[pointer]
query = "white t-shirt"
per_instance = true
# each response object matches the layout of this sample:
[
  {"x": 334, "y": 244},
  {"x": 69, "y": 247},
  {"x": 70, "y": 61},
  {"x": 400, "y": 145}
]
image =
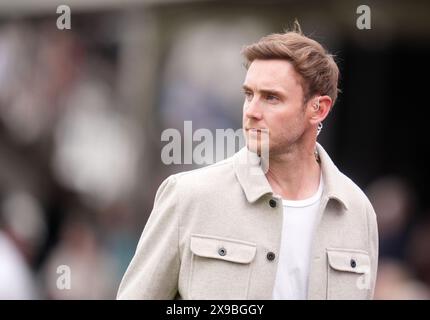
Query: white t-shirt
[{"x": 294, "y": 259}]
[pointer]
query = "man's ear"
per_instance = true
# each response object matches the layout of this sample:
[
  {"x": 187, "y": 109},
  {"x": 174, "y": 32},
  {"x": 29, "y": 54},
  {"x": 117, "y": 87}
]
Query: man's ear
[{"x": 320, "y": 107}]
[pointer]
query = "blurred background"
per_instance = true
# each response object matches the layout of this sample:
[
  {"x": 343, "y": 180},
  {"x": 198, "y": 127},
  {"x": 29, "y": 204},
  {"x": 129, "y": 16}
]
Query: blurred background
[{"x": 82, "y": 112}]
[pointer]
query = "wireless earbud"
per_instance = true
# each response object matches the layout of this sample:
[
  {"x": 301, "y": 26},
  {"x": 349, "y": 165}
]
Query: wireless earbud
[{"x": 317, "y": 104}]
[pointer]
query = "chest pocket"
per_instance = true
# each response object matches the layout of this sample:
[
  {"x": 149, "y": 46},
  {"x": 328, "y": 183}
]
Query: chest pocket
[
  {"x": 348, "y": 274},
  {"x": 220, "y": 267}
]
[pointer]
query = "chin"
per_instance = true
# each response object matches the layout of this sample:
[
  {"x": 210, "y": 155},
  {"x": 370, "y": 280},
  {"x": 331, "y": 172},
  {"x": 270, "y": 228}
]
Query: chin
[{"x": 254, "y": 147}]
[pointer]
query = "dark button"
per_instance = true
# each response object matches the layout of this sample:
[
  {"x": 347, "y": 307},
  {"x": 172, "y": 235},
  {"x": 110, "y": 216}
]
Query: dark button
[
  {"x": 272, "y": 203},
  {"x": 222, "y": 251},
  {"x": 353, "y": 263},
  {"x": 270, "y": 256}
]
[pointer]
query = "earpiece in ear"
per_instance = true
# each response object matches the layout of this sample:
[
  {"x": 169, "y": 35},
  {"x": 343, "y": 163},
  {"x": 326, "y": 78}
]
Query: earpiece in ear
[{"x": 317, "y": 105}]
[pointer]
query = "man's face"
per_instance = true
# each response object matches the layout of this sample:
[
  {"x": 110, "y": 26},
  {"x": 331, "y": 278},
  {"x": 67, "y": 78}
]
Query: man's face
[{"x": 273, "y": 107}]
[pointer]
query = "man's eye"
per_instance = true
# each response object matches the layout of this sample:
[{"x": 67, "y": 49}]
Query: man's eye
[
  {"x": 248, "y": 95},
  {"x": 271, "y": 97}
]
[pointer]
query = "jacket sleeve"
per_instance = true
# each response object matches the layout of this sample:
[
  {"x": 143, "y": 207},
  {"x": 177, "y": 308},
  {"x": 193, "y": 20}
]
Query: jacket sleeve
[
  {"x": 373, "y": 248},
  {"x": 154, "y": 270}
]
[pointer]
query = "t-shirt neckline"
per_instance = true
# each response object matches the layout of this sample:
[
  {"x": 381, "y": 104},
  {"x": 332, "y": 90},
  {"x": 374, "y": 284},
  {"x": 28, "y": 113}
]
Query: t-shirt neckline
[{"x": 305, "y": 202}]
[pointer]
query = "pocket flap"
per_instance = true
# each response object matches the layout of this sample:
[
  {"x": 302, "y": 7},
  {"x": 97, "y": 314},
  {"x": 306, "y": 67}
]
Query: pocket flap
[
  {"x": 223, "y": 248},
  {"x": 350, "y": 260}
]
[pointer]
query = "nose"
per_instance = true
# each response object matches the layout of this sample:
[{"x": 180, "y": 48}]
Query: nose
[{"x": 252, "y": 109}]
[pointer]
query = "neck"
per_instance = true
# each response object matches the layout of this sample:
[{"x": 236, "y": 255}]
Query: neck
[{"x": 295, "y": 174}]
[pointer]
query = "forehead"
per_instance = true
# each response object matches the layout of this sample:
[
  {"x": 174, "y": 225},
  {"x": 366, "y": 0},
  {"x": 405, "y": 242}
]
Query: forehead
[{"x": 272, "y": 73}]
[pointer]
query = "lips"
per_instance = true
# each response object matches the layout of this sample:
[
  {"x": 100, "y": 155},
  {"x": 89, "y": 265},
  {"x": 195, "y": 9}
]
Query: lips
[{"x": 257, "y": 130}]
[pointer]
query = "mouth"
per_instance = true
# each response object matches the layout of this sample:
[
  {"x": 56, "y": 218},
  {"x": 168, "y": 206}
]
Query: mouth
[{"x": 257, "y": 130}]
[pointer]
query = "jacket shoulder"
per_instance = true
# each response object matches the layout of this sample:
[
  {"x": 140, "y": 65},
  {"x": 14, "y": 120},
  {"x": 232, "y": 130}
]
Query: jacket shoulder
[
  {"x": 206, "y": 176},
  {"x": 356, "y": 196}
]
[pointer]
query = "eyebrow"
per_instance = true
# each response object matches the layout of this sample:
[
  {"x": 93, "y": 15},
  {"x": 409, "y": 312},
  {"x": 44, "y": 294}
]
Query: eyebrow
[{"x": 265, "y": 91}]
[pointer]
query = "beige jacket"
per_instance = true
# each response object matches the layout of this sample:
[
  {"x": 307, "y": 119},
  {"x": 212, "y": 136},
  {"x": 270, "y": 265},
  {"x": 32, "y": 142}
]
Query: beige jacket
[{"x": 215, "y": 233}]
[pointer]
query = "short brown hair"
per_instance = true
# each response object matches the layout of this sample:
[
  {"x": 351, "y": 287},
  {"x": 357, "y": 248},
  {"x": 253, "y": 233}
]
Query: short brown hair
[{"x": 316, "y": 66}]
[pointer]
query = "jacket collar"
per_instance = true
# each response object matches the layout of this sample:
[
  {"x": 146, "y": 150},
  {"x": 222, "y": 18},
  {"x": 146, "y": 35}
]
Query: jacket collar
[{"x": 254, "y": 182}]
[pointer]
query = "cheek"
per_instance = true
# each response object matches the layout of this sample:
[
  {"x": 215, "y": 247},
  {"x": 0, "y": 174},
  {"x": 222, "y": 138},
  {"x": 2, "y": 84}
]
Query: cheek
[
  {"x": 282, "y": 124},
  {"x": 244, "y": 108},
  {"x": 277, "y": 121}
]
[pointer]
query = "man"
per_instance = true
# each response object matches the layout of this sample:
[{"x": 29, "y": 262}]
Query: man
[{"x": 281, "y": 224}]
